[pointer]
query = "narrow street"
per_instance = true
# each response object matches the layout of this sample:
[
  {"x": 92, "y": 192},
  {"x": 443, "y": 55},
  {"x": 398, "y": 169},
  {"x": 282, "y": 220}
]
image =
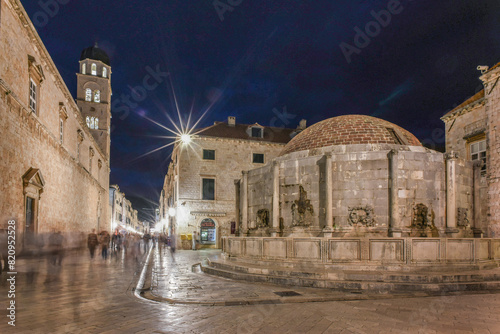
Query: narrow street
[{"x": 96, "y": 296}]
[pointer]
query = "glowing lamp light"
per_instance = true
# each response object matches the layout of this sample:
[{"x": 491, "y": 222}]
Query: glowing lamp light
[
  {"x": 171, "y": 212},
  {"x": 185, "y": 138}
]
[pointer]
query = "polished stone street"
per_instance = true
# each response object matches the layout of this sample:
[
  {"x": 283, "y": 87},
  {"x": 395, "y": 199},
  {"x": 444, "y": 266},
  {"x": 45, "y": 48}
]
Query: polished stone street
[{"x": 84, "y": 296}]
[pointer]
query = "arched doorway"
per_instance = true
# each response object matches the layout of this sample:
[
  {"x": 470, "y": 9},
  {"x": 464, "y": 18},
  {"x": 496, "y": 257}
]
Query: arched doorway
[{"x": 208, "y": 232}]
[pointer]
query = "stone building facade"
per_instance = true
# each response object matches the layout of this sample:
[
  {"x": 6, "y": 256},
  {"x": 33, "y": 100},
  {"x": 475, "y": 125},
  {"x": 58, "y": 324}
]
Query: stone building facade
[
  {"x": 54, "y": 168},
  {"x": 357, "y": 176},
  {"x": 122, "y": 215},
  {"x": 199, "y": 192},
  {"x": 471, "y": 134}
]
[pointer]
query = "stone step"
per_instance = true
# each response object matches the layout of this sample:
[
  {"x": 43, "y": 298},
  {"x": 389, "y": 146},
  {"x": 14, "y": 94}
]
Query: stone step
[
  {"x": 359, "y": 275},
  {"x": 359, "y": 281}
]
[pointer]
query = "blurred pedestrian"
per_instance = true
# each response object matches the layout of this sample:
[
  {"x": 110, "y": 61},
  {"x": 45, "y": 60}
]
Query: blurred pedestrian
[
  {"x": 56, "y": 241},
  {"x": 172, "y": 243},
  {"x": 146, "y": 238},
  {"x": 194, "y": 240},
  {"x": 3, "y": 249},
  {"x": 92, "y": 242},
  {"x": 105, "y": 239}
]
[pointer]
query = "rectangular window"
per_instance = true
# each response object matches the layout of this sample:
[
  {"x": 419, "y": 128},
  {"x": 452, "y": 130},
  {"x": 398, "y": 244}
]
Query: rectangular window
[
  {"x": 258, "y": 158},
  {"x": 33, "y": 96},
  {"x": 395, "y": 136},
  {"x": 208, "y": 154},
  {"x": 61, "y": 130},
  {"x": 208, "y": 189},
  {"x": 30, "y": 214},
  {"x": 257, "y": 132},
  {"x": 478, "y": 152}
]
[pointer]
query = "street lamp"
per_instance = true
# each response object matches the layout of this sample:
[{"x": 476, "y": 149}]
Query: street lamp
[
  {"x": 186, "y": 139},
  {"x": 171, "y": 212}
]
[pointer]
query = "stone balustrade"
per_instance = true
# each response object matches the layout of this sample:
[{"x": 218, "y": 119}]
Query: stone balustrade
[{"x": 366, "y": 251}]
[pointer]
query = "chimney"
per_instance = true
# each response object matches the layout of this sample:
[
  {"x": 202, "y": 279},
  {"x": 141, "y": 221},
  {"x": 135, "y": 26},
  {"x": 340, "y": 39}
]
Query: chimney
[
  {"x": 302, "y": 124},
  {"x": 231, "y": 121}
]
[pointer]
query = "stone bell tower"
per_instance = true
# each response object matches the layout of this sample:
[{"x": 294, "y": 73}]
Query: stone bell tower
[{"x": 94, "y": 94}]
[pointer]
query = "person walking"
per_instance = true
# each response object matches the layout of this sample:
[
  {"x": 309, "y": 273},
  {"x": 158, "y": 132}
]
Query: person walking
[
  {"x": 92, "y": 242},
  {"x": 56, "y": 241},
  {"x": 105, "y": 239},
  {"x": 3, "y": 250},
  {"x": 194, "y": 240}
]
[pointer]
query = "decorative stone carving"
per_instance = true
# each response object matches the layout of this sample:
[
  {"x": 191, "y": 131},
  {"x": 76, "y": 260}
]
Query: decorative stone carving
[
  {"x": 361, "y": 216},
  {"x": 421, "y": 216},
  {"x": 462, "y": 218},
  {"x": 300, "y": 207},
  {"x": 451, "y": 155},
  {"x": 262, "y": 218}
]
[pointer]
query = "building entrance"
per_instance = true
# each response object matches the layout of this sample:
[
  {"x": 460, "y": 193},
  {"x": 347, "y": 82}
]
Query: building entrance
[{"x": 208, "y": 232}]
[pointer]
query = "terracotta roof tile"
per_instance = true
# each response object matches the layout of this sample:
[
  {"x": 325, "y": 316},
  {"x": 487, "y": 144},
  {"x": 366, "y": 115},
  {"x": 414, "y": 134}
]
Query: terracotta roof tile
[{"x": 338, "y": 131}]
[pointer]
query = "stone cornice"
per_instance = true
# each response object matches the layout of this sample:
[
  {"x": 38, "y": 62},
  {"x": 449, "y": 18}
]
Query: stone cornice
[
  {"x": 49, "y": 65},
  {"x": 239, "y": 140},
  {"x": 468, "y": 108}
]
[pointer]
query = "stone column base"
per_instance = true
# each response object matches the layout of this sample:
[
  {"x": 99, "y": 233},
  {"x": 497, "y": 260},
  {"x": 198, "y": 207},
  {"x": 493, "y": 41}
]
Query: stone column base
[
  {"x": 328, "y": 232},
  {"x": 452, "y": 232},
  {"x": 395, "y": 232},
  {"x": 478, "y": 233},
  {"x": 274, "y": 232}
]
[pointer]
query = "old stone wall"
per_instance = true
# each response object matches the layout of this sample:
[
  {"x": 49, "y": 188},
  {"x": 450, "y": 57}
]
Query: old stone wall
[
  {"x": 231, "y": 158},
  {"x": 361, "y": 180},
  {"x": 492, "y": 88},
  {"x": 469, "y": 123},
  {"x": 75, "y": 195},
  {"x": 360, "y": 183},
  {"x": 421, "y": 180},
  {"x": 300, "y": 194},
  {"x": 465, "y": 200},
  {"x": 260, "y": 197}
]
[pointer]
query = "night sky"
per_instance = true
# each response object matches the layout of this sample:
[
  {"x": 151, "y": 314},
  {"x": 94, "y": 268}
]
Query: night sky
[{"x": 271, "y": 62}]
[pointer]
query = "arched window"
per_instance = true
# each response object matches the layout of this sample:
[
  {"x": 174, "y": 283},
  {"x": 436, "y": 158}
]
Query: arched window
[
  {"x": 88, "y": 121},
  {"x": 88, "y": 94},
  {"x": 94, "y": 69},
  {"x": 92, "y": 124},
  {"x": 96, "y": 123},
  {"x": 84, "y": 68},
  {"x": 97, "y": 96},
  {"x": 104, "y": 72}
]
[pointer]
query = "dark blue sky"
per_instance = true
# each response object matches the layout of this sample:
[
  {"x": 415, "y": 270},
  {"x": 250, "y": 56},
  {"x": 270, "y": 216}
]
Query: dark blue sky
[{"x": 269, "y": 56}]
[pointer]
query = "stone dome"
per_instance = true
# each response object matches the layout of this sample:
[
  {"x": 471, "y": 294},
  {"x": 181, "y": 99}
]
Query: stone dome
[
  {"x": 348, "y": 130},
  {"x": 95, "y": 53}
]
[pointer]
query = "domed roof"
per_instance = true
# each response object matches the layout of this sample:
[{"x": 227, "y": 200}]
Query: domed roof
[
  {"x": 350, "y": 129},
  {"x": 93, "y": 52}
]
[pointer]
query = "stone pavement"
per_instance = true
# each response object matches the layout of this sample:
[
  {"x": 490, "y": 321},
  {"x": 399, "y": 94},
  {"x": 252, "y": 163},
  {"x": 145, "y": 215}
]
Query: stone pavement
[
  {"x": 84, "y": 296},
  {"x": 177, "y": 279}
]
